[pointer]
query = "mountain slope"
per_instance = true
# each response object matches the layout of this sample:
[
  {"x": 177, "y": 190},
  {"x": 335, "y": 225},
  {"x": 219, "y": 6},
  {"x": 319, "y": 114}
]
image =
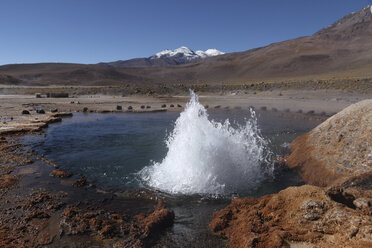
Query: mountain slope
[
  {"x": 345, "y": 46},
  {"x": 342, "y": 50}
]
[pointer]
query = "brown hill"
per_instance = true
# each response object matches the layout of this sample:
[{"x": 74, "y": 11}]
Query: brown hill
[{"x": 342, "y": 50}]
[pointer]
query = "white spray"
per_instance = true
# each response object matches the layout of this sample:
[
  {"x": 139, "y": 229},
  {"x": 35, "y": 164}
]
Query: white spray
[{"x": 209, "y": 157}]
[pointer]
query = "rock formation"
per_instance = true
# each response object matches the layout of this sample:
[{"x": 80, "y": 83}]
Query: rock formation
[
  {"x": 338, "y": 148},
  {"x": 306, "y": 215}
]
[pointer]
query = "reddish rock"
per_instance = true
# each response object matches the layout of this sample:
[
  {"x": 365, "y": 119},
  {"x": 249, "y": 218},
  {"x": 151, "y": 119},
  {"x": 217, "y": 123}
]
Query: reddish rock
[
  {"x": 29, "y": 161},
  {"x": 159, "y": 219},
  {"x": 95, "y": 223},
  {"x": 82, "y": 181},
  {"x": 40, "y": 198},
  {"x": 107, "y": 231},
  {"x": 293, "y": 216},
  {"x": 337, "y": 149},
  {"x": 7, "y": 238},
  {"x": 37, "y": 214},
  {"x": 60, "y": 173},
  {"x": 7, "y": 180}
]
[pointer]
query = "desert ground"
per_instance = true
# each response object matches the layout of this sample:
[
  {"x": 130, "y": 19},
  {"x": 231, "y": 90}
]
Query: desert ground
[{"x": 312, "y": 102}]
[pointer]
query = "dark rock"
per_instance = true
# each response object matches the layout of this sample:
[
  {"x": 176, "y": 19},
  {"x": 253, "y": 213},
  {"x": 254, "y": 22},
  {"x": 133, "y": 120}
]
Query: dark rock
[
  {"x": 172, "y": 106},
  {"x": 130, "y": 107},
  {"x": 40, "y": 111},
  {"x": 179, "y": 105},
  {"x": 57, "y": 95},
  {"x": 148, "y": 106},
  {"x": 311, "y": 112},
  {"x": 163, "y": 105},
  {"x": 85, "y": 109},
  {"x": 118, "y": 107},
  {"x": 337, "y": 194},
  {"x": 54, "y": 110},
  {"x": 63, "y": 114},
  {"x": 25, "y": 112},
  {"x": 143, "y": 106}
]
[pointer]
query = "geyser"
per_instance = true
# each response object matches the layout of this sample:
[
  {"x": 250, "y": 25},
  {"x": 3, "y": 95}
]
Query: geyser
[{"x": 208, "y": 157}]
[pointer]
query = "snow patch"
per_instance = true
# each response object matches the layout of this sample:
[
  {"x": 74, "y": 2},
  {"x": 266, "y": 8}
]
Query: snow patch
[{"x": 213, "y": 52}]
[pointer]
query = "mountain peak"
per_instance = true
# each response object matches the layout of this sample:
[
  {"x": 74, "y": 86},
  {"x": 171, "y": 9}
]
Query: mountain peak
[
  {"x": 352, "y": 25},
  {"x": 186, "y": 53},
  {"x": 213, "y": 52},
  {"x": 368, "y": 7}
]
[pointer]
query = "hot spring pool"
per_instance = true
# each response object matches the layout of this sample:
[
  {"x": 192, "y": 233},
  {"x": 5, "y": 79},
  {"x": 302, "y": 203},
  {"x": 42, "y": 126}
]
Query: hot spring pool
[{"x": 196, "y": 160}]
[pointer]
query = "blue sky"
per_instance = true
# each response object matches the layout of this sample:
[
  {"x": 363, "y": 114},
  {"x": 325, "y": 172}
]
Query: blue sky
[{"x": 91, "y": 31}]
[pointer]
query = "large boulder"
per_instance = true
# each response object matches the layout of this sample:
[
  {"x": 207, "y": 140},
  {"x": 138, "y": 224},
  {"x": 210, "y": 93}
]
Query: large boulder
[{"x": 337, "y": 149}]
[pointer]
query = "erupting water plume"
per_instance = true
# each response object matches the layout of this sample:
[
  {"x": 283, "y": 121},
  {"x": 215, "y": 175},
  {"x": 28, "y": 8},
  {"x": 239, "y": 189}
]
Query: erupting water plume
[{"x": 206, "y": 156}]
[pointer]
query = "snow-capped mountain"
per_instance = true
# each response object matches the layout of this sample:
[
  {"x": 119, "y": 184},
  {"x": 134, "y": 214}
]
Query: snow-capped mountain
[
  {"x": 184, "y": 51},
  {"x": 187, "y": 53},
  {"x": 179, "y": 56}
]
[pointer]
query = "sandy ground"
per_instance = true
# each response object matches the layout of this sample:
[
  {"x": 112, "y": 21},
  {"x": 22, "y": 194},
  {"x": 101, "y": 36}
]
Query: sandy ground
[{"x": 321, "y": 102}]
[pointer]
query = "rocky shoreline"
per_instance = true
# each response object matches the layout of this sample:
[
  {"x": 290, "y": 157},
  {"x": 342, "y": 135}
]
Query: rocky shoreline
[
  {"x": 41, "y": 205},
  {"x": 335, "y": 211}
]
